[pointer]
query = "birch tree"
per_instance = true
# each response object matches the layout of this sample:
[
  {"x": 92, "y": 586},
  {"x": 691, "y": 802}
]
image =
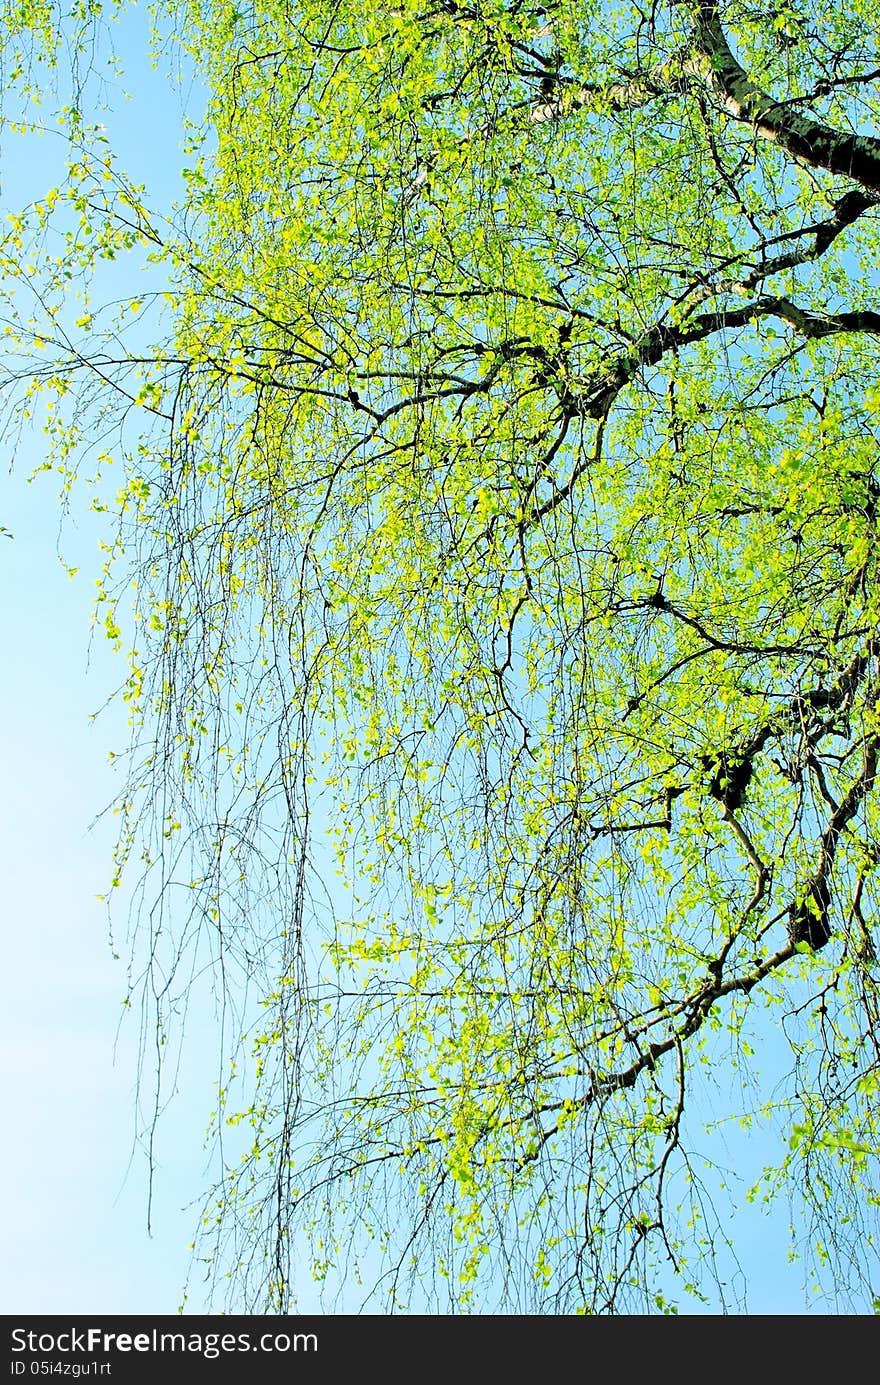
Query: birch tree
[{"x": 501, "y": 498}]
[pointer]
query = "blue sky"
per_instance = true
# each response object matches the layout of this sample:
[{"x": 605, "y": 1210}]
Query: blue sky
[{"x": 74, "y": 1235}]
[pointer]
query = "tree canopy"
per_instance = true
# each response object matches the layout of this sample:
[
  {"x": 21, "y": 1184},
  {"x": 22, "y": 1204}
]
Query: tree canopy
[{"x": 496, "y": 566}]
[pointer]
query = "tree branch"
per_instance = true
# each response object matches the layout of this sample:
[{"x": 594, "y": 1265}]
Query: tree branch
[{"x": 805, "y": 139}]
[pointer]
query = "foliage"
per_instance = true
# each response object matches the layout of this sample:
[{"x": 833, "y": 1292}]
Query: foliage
[{"x": 504, "y": 681}]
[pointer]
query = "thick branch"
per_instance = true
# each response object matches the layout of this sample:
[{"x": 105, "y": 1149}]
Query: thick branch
[
  {"x": 808, "y": 915},
  {"x": 711, "y": 65},
  {"x": 805, "y": 139}
]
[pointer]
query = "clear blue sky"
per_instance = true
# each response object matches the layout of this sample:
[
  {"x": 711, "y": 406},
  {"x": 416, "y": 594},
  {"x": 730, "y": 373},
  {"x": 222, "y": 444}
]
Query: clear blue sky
[
  {"x": 74, "y": 1236},
  {"x": 73, "y": 1229}
]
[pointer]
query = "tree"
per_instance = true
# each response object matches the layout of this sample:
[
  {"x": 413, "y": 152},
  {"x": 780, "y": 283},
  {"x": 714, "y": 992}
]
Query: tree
[{"x": 503, "y": 526}]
